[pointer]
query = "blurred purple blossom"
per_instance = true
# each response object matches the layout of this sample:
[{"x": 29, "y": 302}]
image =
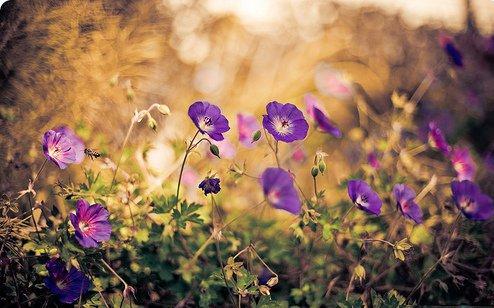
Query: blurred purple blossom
[
  {"x": 451, "y": 50},
  {"x": 463, "y": 164},
  {"x": 321, "y": 119},
  {"x": 437, "y": 140},
  {"x": 471, "y": 201},
  {"x": 277, "y": 185},
  {"x": 210, "y": 185},
  {"x": 247, "y": 126},
  {"x": 404, "y": 197},
  {"x": 63, "y": 147},
  {"x": 373, "y": 161}
]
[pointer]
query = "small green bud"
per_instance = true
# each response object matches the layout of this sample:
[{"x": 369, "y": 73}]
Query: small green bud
[
  {"x": 314, "y": 171},
  {"x": 256, "y": 136},
  {"x": 163, "y": 109},
  {"x": 152, "y": 123},
  {"x": 322, "y": 166},
  {"x": 213, "y": 148}
]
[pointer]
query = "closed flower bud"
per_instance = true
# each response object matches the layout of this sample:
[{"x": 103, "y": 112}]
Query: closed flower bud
[
  {"x": 264, "y": 290},
  {"x": 322, "y": 166},
  {"x": 152, "y": 123},
  {"x": 163, "y": 109},
  {"x": 359, "y": 272},
  {"x": 213, "y": 148},
  {"x": 272, "y": 281},
  {"x": 314, "y": 171},
  {"x": 256, "y": 136}
]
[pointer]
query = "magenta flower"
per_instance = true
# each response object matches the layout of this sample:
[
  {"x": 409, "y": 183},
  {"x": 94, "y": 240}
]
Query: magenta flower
[
  {"x": 471, "y": 201},
  {"x": 322, "y": 121},
  {"x": 451, "y": 50},
  {"x": 463, "y": 164},
  {"x": 66, "y": 285},
  {"x": 247, "y": 126},
  {"x": 277, "y": 185},
  {"x": 209, "y": 120},
  {"x": 299, "y": 155},
  {"x": 332, "y": 82},
  {"x": 373, "y": 161},
  {"x": 364, "y": 197},
  {"x": 404, "y": 196},
  {"x": 90, "y": 223},
  {"x": 437, "y": 140},
  {"x": 285, "y": 122},
  {"x": 63, "y": 147}
]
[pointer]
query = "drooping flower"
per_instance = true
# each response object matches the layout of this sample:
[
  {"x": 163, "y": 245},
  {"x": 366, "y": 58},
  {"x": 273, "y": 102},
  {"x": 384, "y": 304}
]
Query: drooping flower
[
  {"x": 471, "y": 201},
  {"x": 247, "y": 126},
  {"x": 463, "y": 164},
  {"x": 285, "y": 122},
  {"x": 277, "y": 185},
  {"x": 210, "y": 185},
  {"x": 373, "y": 161},
  {"x": 66, "y": 285},
  {"x": 404, "y": 197},
  {"x": 364, "y": 197},
  {"x": 437, "y": 140},
  {"x": 321, "y": 119},
  {"x": 209, "y": 120},
  {"x": 90, "y": 223},
  {"x": 451, "y": 50},
  {"x": 63, "y": 147}
]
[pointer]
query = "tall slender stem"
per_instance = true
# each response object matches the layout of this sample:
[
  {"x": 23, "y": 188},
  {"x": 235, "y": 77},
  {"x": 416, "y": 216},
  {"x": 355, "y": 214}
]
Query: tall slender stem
[
  {"x": 276, "y": 154},
  {"x": 29, "y": 197},
  {"x": 187, "y": 151},
  {"x": 121, "y": 152}
]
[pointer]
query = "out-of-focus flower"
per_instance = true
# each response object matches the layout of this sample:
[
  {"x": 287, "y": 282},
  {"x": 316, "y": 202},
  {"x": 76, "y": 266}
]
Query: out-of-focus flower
[
  {"x": 63, "y": 147},
  {"x": 277, "y": 185},
  {"x": 404, "y": 196},
  {"x": 299, "y": 155},
  {"x": 471, "y": 201},
  {"x": 210, "y": 185},
  {"x": 66, "y": 285},
  {"x": 364, "y": 197},
  {"x": 332, "y": 82},
  {"x": 247, "y": 126},
  {"x": 373, "y": 161},
  {"x": 189, "y": 177},
  {"x": 285, "y": 122},
  {"x": 463, "y": 164},
  {"x": 451, "y": 50},
  {"x": 321, "y": 119},
  {"x": 90, "y": 223},
  {"x": 226, "y": 149},
  {"x": 437, "y": 140},
  {"x": 209, "y": 120}
]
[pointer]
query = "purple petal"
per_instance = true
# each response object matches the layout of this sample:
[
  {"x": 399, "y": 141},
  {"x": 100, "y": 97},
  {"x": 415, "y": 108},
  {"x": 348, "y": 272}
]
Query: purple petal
[
  {"x": 279, "y": 190},
  {"x": 285, "y": 122},
  {"x": 364, "y": 197},
  {"x": 325, "y": 124},
  {"x": 463, "y": 164},
  {"x": 402, "y": 192}
]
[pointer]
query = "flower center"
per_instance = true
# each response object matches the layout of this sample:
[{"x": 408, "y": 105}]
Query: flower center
[
  {"x": 282, "y": 126},
  {"x": 362, "y": 201},
  {"x": 84, "y": 226},
  {"x": 274, "y": 196},
  {"x": 61, "y": 284},
  {"x": 466, "y": 204},
  {"x": 206, "y": 124}
]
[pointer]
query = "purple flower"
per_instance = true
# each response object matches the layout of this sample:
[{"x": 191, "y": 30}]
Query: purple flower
[
  {"x": 247, "y": 126},
  {"x": 471, "y": 201},
  {"x": 463, "y": 164},
  {"x": 210, "y": 185},
  {"x": 373, "y": 161},
  {"x": 90, "y": 223},
  {"x": 67, "y": 285},
  {"x": 285, "y": 122},
  {"x": 277, "y": 185},
  {"x": 404, "y": 196},
  {"x": 321, "y": 119},
  {"x": 453, "y": 53},
  {"x": 437, "y": 140},
  {"x": 63, "y": 147},
  {"x": 299, "y": 155},
  {"x": 209, "y": 120},
  {"x": 364, "y": 197}
]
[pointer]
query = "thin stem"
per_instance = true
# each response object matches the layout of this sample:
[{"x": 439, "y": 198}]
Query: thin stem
[
  {"x": 276, "y": 154},
  {"x": 121, "y": 152},
  {"x": 114, "y": 273},
  {"x": 452, "y": 230},
  {"x": 315, "y": 187},
  {"x": 187, "y": 151},
  {"x": 378, "y": 240},
  {"x": 220, "y": 260},
  {"x": 347, "y": 213},
  {"x": 39, "y": 172},
  {"x": 32, "y": 216}
]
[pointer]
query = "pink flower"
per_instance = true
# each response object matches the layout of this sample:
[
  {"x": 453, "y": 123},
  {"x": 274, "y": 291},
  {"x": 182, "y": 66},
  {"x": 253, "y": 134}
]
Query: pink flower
[
  {"x": 247, "y": 126},
  {"x": 463, "y": 164}
]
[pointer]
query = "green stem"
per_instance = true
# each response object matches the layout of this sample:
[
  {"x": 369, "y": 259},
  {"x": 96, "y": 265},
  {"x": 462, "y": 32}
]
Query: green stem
[
  {"x": 187, "y": 151},
  {"x": 121, "y": 152}
]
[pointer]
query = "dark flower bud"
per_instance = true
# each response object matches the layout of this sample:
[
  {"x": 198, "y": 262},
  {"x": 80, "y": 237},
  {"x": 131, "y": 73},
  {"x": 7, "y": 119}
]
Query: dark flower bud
[{"x": 210, "y": 185}]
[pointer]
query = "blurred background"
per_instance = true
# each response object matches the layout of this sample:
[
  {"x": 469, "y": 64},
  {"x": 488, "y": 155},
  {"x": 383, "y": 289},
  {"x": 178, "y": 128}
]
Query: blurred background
[{"x": 90, "y": 64}]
